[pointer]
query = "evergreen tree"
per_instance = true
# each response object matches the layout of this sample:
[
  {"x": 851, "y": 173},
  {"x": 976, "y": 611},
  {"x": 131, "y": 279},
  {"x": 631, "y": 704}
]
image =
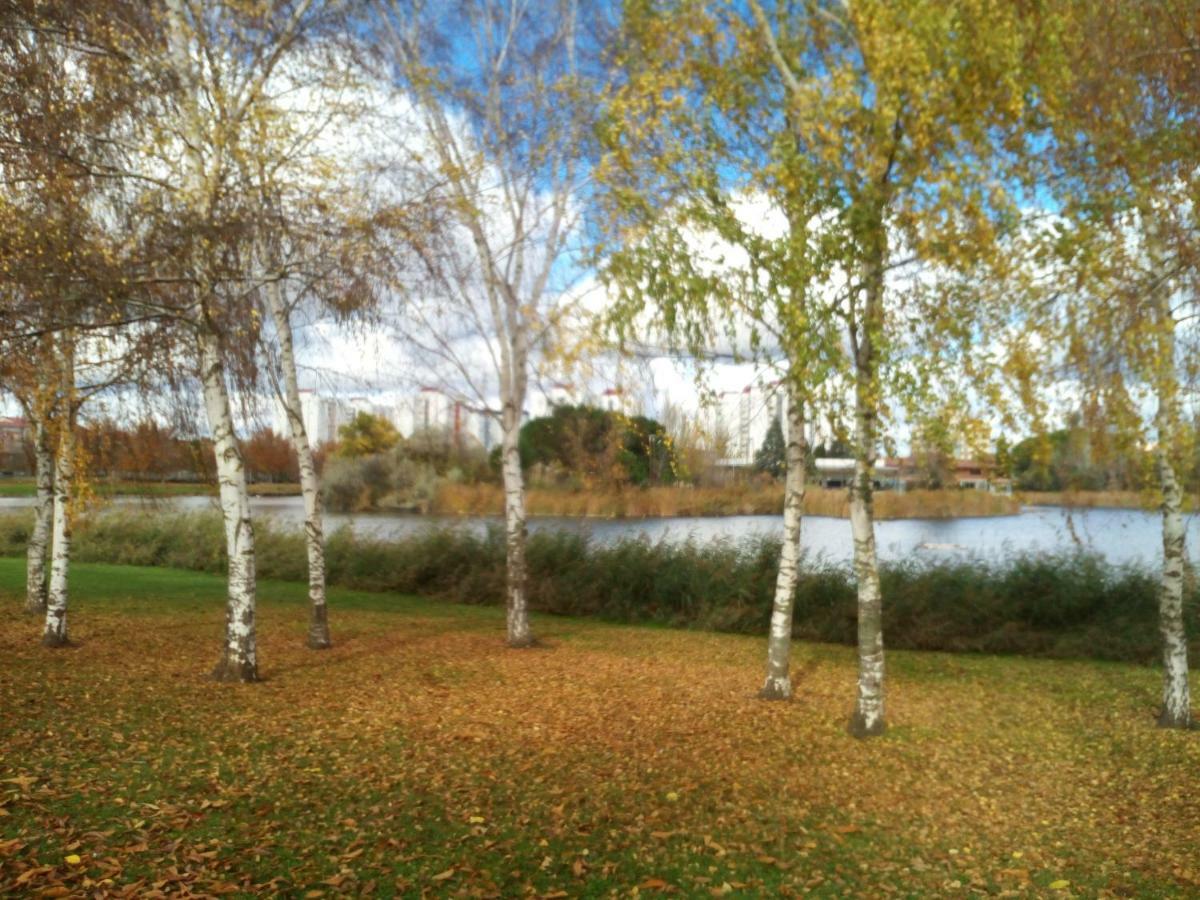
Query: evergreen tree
[{"x": 772, "y": 455}]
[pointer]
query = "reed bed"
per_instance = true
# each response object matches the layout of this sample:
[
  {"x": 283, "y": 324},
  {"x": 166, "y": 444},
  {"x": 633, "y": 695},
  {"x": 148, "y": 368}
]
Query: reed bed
[
  {"x": 736, "y": 500},
  {"x": 1072, "y": 605}
]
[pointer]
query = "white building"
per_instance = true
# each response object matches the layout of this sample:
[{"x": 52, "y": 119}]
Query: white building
[
  {"x": 432, "y": 409},
  {"x": 322, "y": 417},
  {"x": 744, "y": 417}
]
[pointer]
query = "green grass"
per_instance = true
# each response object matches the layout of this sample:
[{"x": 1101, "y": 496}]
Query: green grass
[{"x": 420, "y": 755}]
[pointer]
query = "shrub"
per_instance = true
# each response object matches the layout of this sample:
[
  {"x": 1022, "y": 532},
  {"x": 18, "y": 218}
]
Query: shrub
[{"x": 1041, "y": 605}]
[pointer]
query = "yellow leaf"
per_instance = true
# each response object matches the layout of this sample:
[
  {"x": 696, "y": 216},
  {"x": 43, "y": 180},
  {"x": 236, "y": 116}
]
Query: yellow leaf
[
  {"x": 1060, "y": 884},
  {"x": 73, "y": 859}
]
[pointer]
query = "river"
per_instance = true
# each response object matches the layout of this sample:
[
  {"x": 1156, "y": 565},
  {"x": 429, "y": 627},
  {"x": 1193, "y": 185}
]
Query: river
[{"x": 1120, "y": 535}]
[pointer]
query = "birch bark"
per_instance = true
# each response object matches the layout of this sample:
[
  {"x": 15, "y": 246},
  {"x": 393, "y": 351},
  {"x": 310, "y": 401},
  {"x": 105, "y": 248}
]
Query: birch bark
[
  {"x": 519, "y": 633},
  {"x": 1176, "y": 704},
  {"x": 778, "y": 685},
  {"x": 36, "y": 587},
  {"x": 310, "y": 488},
  {"x": 55, "y": 632},
  {"x": 868, "y": 716},
  {"x": 239, "y": 659}
]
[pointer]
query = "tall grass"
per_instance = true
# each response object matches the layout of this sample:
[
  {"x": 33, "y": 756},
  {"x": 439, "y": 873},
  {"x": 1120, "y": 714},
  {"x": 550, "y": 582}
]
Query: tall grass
[
  {"x": 734, "y": 500},
  {"x": 1148, "y": 500},
  {"x": 1063, "y": 606}
]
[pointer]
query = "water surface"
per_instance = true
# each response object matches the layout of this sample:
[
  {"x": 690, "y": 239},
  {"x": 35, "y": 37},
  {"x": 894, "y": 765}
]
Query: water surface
[{"x": 1120, "y": 535}]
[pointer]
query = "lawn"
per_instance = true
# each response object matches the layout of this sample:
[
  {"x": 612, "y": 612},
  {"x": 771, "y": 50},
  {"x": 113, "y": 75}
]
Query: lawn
[{"x": 419, "y": 756}]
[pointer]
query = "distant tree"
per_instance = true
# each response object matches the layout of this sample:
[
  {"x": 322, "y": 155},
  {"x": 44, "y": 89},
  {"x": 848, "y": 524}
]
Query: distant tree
[
  {"x": 647, "y": 454},
  {"x": 771, "y": 457},
  {"x": 270, "y": 457},
  {"x": 600, "y": 446},
  {"x": 366, "y": 434},
  {"x": 1003, "y": 457}
]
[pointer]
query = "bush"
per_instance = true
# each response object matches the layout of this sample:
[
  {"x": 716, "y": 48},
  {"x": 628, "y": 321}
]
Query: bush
[
  {"x": 1040, "y": 605},
  {"x": 391, "y": 480}
]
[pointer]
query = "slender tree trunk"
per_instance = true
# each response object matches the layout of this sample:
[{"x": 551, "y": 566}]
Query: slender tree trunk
[
  {"x": 55, "y": 633},
  {"x": 239, "y": 658},
  {"x": 1176, "y": 705},
  {"x": 310, "y": 488},
  {"x": 868, "y": 717},
  {"x": 778, "y": 685},
  {"x": 868, "y": 712},
  {"x": 36, "y": 587},
  {"x": 519, "y": 633}
]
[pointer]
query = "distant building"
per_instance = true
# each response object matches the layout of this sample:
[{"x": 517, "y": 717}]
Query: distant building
[
  {"x": 838, "y": 472},
  {"x": 433, "y": 409},
  {"x": 744, "y": 417},
  {"x": 322, "y": 417},
  {"x": 15, "y": 437},
  {"x": 903, "y": 473}
]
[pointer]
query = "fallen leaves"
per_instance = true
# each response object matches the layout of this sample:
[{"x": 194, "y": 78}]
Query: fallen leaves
[{"x": 621, "y": 759}]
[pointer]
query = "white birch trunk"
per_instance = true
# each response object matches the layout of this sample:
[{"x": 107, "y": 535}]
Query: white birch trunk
[
  {"x": 36, "y": 587},
  {"x": 1176, "y": 705},
  {"x": 55, "y": 632},
  {"x": 868, "y": 717},
  {"x": 239, "y": 659},
  {"x": 519, "y": 633},
  {"x": 778, "y": 684},
  {"x": 310, "y": 488},
  {"x": 868, "y": 712}
]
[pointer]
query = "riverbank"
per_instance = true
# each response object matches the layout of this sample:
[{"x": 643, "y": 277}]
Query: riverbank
[
  {"x": 24, "y": 487},
  {"x": 670, "y": 502},
  {"x": 735, "y": 500},
  {"x": 1144, "y": 500},
  {"x": 1068, "y": 605},
  {"x": 420, "y": 757}
]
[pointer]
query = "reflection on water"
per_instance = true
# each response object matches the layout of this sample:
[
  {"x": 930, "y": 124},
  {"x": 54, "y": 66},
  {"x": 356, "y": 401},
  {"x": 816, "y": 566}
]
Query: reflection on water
[{"x": 1120, "y": 535}]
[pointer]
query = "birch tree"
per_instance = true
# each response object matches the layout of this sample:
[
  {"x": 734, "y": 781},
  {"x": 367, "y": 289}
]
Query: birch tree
[
  {"x": 316, "y": 244},
  {"x": 500, "y": 116},
  {"x": 1123, "y": 113},
  {"x": 216, "y": 60},
  {"x": 715, "y": 232},
  {"x": 23, "y": 375},
  {"x": 882, "y": 117},
  {"x": 65, "y": 266},
  {"x": 328, "y": 274}
]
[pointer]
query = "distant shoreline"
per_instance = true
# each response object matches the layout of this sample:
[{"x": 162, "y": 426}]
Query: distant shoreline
[{"x": 666, "y": 502}]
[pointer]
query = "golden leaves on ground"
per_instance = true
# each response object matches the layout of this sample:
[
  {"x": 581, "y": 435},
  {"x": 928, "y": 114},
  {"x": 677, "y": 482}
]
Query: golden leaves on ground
[{"x": 420, "y": 756}]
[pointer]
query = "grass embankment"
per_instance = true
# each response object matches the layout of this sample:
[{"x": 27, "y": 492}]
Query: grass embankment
[
  {"x": 1146, "y": 500},
  {"x": 735, "y": 500},
  {"x": 420, "y": 757},
  {"x": 23, "y": 487},
  {"x": 1060, "y": 606}
]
